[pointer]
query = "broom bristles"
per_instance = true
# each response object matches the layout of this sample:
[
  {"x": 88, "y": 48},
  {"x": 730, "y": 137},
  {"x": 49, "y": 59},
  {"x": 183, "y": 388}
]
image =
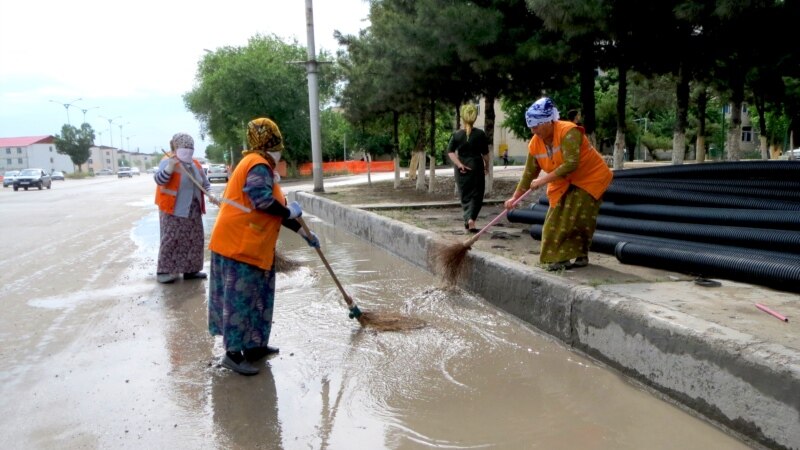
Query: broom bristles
[
  {"x": 385, "y": 321},
  {"x": 450, "y": 261}
]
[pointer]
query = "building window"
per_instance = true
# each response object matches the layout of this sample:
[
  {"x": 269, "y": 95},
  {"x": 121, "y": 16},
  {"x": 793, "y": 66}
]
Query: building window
[
  {"x": 747, "y": 134},
  {"x": 108, "y": 161},
  {"x": 8, "y": 151},
  {"x": 51, "y": 149},
  {"x": 90, "y": 160},
  {"x": 19, "y": 160},
  {"x": 108, "y": 153},
  {"x": 8, "y": 161},
  {"x": 51, "y": 160},
  {"x": 744, "y": 108},
  {"x": 19, "y": 150},
  {"x": 726, "y": 109}
]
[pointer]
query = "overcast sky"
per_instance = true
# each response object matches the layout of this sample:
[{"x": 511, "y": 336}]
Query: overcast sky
[{"x": 133, "y": 61}]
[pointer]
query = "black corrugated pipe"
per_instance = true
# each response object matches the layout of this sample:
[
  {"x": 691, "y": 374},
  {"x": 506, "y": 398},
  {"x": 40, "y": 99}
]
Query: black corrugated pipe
[
  {"x": 719, "y": 188},
  {"x": 769, "y": 170},
  {"x": 620, "y": 193},
  {"x": 758, "y": 218},
  {"x": 606, "y": 241},
  {"x": 782, "y": 185},
  {"x": 761, "y": 218},
  {"x": 758, "y": 238},
  {"x": 708, "y": 264}
]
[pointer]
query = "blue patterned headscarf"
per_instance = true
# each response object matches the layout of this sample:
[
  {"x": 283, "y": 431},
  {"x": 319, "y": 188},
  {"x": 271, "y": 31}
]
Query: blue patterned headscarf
[{"x": 541, "y": 111}]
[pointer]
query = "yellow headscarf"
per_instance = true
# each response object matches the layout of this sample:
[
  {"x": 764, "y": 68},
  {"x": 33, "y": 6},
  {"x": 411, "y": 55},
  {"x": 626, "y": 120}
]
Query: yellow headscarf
[{"x": 263, "y": 135}]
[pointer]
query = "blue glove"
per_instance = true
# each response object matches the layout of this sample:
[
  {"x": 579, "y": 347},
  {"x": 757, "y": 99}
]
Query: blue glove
[
  {"x": 313, "y": 240},
  {"x": 294, "y": 210}
]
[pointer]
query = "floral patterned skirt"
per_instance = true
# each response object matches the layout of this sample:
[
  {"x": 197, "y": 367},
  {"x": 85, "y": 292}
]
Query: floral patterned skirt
[
  {"x": 240, "y": 301},
  {"x": 569, "y": 226},
  {"x": 182, "y": 242}
]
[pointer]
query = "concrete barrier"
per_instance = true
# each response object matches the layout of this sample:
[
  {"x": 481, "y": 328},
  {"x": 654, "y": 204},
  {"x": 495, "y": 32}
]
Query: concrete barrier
[{"x": 751, "y": 387}]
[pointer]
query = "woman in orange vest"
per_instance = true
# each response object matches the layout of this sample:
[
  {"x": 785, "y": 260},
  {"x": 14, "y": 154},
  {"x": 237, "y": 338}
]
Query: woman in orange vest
[
  {"x": 181, "y": 205},
  {"x": 242, "y": 284},
  {"x": 576, "y": 177}
]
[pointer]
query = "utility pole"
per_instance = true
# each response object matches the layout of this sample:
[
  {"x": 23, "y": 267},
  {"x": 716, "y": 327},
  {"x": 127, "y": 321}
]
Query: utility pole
[{"x": 313, "y": 100}]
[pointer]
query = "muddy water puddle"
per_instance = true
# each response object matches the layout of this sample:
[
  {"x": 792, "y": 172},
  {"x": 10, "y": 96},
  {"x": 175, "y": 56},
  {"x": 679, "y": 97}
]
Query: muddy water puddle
[{"x": 474, "y": 377}]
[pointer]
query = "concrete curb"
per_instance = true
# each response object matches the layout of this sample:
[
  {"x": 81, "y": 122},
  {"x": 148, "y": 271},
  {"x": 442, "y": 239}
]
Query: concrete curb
[{"x": 727, "y": 376}]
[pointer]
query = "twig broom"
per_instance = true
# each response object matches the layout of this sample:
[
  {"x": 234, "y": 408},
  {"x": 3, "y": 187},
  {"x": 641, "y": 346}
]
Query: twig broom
[
  {"x": 382, "y": 321},
  {"x": 450, "y": 258}
]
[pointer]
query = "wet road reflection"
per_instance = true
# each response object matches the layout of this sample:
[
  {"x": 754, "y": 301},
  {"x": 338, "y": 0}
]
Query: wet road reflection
[{"x": 475, "y": 377}]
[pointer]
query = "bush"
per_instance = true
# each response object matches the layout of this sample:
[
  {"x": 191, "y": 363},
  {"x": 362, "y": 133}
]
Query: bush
[{"x": 76, "y": 175}]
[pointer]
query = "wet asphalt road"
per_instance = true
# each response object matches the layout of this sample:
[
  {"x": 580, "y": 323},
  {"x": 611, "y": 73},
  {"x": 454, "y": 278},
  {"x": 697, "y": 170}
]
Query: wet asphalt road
[{"x": 98, "y": 355}]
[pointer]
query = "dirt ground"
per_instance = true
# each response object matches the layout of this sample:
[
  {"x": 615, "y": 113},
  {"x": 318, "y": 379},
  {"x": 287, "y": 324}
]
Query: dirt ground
[{"x": 439, "y": 211}]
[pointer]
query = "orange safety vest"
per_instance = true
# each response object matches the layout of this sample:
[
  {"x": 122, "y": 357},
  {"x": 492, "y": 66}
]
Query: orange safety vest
[
  {"x": 592, "y": 174},
  {"x": 167, "y": 195},
  {"x": 246, "y": 237}
]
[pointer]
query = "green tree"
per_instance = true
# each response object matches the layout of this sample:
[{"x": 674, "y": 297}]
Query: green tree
[
  {"x": 75, "y": 143},
  {"x": 238, "y": 84}
]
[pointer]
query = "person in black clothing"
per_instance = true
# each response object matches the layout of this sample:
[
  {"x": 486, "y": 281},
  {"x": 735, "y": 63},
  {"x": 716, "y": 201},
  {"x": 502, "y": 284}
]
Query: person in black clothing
[{"x": 468, "y": 149}]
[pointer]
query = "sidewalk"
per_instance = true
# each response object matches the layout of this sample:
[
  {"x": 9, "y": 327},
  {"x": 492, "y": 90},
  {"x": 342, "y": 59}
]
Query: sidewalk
[{"x": 708, "y": 348}]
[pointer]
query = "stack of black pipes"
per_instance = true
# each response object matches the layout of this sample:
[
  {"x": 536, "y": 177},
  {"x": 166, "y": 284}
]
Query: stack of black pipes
[{"x": 734, "y": 220}]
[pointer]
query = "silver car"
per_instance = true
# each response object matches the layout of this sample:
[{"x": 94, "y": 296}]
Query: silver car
[{"x": 8, "y": 177}]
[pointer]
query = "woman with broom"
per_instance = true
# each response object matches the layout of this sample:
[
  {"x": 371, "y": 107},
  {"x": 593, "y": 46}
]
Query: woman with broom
[
  {"x": 181, "y": 205},
  {"x": 242, "y": 283},
  {"x": 576, "y": 178},
  {"x": 468, "y": 149}
]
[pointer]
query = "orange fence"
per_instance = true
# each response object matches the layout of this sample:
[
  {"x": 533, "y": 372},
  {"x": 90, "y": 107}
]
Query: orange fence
[{"x": 347, "y": 167}]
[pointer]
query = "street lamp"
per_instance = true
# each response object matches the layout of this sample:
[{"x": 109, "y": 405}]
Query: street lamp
[
  {"x": 66, "y": 106},
  {"x": 128, "y": 140},
  {"x": 84, "y": 111},
  {"x": 120, "y": 132},
  {"x": 111, "y": 130},
  {"x": 639, "y": 140}
]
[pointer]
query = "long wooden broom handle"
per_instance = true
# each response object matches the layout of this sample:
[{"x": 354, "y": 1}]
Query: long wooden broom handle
[
  {"x": 473, "y": 239},
  {"x": 347, "y": 298},
  {"x": 204, "y": 191}
]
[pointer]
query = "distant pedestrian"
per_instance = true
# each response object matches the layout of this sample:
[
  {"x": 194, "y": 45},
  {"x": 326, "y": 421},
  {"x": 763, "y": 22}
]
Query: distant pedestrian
[
  {"x": 505, "y": 158},
  {"x": 574, "y": 116},
  {"x": 181, "y": 205},
  {"x": 468, "y": 149}
]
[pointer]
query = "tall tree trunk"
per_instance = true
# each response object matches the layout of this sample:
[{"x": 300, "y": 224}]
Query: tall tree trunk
[
  {"x": 681, "y": 113},
  {"x": 700, "y": 144},
  {"x": 421, "y": 150},
  {"x": 396, "y": 147},
  {"x": 587, "y": 78},
  {"x": 762, "y": 124},
  {"x": 619, "y": 144},
  {"x": 433, "y": 144},
  {"x": 488, "y": 125}
]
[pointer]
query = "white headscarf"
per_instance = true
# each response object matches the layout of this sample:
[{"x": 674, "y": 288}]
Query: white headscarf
[{"x": 541, "y": 111}]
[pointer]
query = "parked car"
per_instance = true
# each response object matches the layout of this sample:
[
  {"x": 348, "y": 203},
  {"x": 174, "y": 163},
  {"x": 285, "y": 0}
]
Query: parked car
[
  {"x": 104, "y": 172},
  {"x": 32, "y": 178},
  {"x": 217, "y": 172},
  {"x": 152, "y": 170},
  {"x": 124, "y": 172},
  {"x": 57, "y": 175},
  {"x": 8, "y": 177},
  {"x": 135, "y": 171}
]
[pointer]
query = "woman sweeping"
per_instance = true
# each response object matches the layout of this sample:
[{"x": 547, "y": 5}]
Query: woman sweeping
[
  {"x": 242, "y": 283},
  {"x": 576, "y": 178},
  {"x": 181, "y": 205},
  {"x": 468, "y": 149}
]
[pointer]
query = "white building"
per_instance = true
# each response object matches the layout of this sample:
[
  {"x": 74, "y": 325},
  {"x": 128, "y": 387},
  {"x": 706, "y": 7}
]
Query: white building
[{"x": 33, "y": 152}]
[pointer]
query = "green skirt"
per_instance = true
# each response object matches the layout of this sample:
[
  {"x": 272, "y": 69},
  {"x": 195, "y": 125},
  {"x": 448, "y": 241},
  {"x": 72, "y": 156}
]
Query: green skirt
[{"x": 569, "y": 226}]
